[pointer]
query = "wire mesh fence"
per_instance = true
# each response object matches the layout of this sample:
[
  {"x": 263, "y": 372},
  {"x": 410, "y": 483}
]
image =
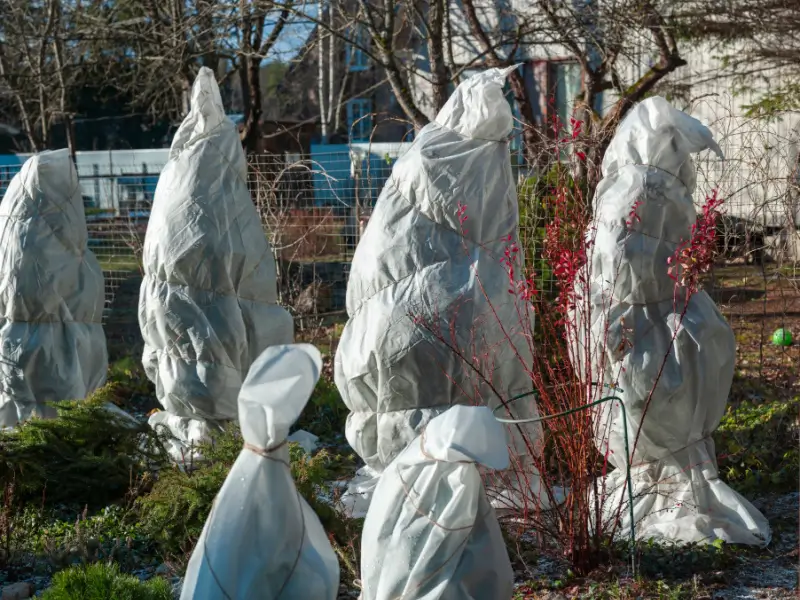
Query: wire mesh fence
[{"x": 315, "y": 207}]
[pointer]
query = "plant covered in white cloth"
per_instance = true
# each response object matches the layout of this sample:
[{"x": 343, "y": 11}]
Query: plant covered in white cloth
[
  {"x": 665, "y": 347},
  {"x": 52, "y": 344},
  {"x": 208, "y": 304},
  {"x": 262, "y": 539},
  {"x": 431, "y": 532},
  {"x": 431, "y": 320}
]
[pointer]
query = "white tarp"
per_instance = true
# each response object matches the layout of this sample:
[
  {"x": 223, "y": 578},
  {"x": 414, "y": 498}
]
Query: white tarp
[
  {"x": 52, "y": 345},
  {"x": 678, "y": 495},
  {"x": 262, "y": 539},
  {"x": 208, "y": 303},
  {"x": 431, "y": 533},
  {"x": 414, "y": 260}
]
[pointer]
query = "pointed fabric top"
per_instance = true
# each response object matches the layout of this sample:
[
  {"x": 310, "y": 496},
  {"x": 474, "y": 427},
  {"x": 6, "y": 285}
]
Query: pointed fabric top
[
  {"x": 478, "y": 108},
  {"x": 276, "y": 390},
  {"x": 206, "y": 112},
  {"x": 657, "y": 134}
]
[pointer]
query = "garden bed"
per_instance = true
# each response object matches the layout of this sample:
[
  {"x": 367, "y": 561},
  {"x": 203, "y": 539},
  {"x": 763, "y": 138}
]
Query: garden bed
[{"x": 148, "y": 529}]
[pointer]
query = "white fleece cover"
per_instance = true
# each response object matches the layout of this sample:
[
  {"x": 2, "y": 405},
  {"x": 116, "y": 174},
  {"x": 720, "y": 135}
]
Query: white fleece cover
[
  {"x": 678, "y": 495},
  {"x": 52, "y": 345},
  {"x": 208, "y": 304},
  {"x": 414, "y": 260},
  {"x": 431, "y": 533},
  {"x": 262, "y": 539}
]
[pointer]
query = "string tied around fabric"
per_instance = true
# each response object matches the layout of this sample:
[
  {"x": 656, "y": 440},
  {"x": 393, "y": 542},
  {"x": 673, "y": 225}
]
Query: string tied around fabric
[{"x": 263, "y": 453}]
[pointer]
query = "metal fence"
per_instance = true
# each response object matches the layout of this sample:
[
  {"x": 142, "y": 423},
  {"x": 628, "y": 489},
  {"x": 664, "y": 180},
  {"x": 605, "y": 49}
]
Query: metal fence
[{"x": 315, "y": 207}]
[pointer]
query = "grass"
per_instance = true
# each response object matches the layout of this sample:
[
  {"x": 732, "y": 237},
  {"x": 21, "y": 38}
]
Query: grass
[
  {"x": 619, "y": 589},
  {"x": 117, "y": 263}
]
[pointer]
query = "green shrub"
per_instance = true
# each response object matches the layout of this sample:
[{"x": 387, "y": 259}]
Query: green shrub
[
  {"x": 325, "y": 414},
  {"x": 175, "y": 510},
  {"x": 537, "y": 198},
  {"x": 100, "y": 581},
  {"x": 311, "y": 474},
  {"x": 129, "y": 376},
  {"x": 86, "y": 456},
  {"x": 757, "y": 444}
]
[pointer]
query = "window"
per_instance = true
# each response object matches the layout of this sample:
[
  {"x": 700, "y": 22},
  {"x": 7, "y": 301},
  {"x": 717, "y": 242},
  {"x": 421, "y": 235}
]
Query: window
[
  {"x": 354, "y": 56},
  {"x": 359, "y": 119},
  {"x": 567, "y": 86}
]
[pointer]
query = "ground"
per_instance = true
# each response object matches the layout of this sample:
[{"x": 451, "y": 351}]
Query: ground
[{"x": 147, "y": 529}]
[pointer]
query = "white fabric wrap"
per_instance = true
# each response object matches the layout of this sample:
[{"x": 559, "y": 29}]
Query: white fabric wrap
[
  {"x": 262, "y": 539},
  {"x": 678, "y": 495},
  {"x": 208, "y": 303},
  {"x": 52, "y": 345},
  {"x": 414, "y": 260},
  {"x": 430, "y": 533}
]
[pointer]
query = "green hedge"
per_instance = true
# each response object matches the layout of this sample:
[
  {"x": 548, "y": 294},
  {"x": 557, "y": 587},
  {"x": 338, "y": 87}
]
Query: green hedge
[{"x": 536, "y": 197}]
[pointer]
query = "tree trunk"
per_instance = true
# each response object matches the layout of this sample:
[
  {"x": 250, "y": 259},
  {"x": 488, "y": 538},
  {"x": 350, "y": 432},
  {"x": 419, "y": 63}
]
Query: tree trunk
[
  {"x": 532, "y": 147},
  {"x": 332, "y": 64},
  {"x": 70, "y": 130},
  {"x": 252, "y": 124},
  {"x": 439, "y": 76},
  {"x": 205, "y": 40},
  {"x": 186, "y": 97},
  {"x": 321, "y": 87},
  {"x": 385, "y": 44}
]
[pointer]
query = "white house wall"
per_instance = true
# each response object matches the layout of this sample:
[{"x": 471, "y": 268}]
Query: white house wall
[{"x": 760, "y": 155}]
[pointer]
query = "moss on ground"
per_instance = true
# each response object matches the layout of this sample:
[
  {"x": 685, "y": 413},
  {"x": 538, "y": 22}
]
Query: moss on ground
[{"x": 757, "y": 445}]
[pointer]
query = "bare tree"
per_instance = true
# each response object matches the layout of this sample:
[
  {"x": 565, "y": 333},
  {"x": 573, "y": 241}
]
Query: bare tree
[
  {"x": 623, "y": 49},
  {"x": 387, "y": 35},
  {"x": 607, "y": 41},
  {"x": 758, "y": 42},
  {"x": 253, "y": 51},
  {"x": 163, "y": 45},
  {"x": 36, "y": 72}
]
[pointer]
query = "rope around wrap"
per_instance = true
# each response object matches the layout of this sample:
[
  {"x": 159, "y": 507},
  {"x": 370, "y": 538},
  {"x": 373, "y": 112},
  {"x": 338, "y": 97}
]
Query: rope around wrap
[
  {"x": 264, "y": 453},
  {"x": 267, "y": 452},
  {"x": 429, "y": 457},
  {"x": 432, "y": 521}
]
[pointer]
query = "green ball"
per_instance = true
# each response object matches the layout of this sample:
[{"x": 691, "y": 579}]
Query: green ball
[{"x": 782, "y": 337}]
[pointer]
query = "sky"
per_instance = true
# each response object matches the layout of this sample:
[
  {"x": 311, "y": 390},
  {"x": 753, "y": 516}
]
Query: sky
[{"x": 293, "y": 36}]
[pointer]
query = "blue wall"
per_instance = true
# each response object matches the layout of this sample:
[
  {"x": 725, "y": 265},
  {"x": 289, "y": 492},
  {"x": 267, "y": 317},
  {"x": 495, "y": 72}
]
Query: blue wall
[{"x": 336, "y": 184}]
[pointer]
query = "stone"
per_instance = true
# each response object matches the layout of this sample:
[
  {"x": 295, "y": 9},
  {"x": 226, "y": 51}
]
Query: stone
[
  {"x": 306, "y": 440},
  {"x": 21, "y": 590}
]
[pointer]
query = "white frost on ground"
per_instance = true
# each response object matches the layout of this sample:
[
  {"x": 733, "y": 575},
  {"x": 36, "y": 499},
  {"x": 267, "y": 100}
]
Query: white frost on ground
[{"x": 774, "y": 577}]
